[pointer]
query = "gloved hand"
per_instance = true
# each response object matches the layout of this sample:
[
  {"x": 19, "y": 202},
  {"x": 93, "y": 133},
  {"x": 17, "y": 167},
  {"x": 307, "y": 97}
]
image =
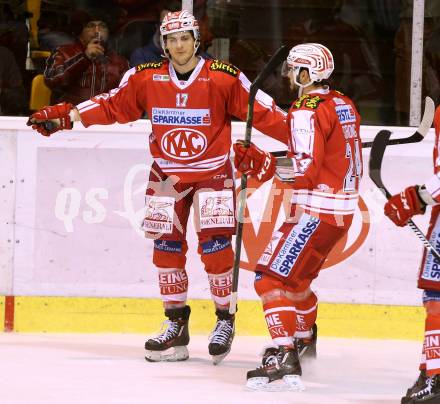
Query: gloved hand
[
  {"x": 254, "y": 161},
  {"x": 42, "y": 120},
  {"x": 402, "y": 207}
]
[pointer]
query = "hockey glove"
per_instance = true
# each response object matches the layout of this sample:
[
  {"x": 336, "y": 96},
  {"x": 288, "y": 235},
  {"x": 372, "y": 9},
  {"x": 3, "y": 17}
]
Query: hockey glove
[
  {"x": 43, "y": 120},
  {"x": 402, "y": 207},
  {"x": 254, "y": 161}
]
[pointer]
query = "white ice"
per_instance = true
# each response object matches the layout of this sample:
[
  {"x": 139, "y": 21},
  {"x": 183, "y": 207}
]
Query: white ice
[{"x": 110, "y": 369}]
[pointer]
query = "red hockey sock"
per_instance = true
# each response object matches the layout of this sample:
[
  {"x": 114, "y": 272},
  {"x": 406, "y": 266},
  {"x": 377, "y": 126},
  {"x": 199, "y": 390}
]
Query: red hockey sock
[
  {"x": 306, "y": 312},
  {"x": 432, "y": 344},
  {"x": 221, "y": 286},
  {"x": 173, "y": 284},
  {"x": 281, "y": 319}
]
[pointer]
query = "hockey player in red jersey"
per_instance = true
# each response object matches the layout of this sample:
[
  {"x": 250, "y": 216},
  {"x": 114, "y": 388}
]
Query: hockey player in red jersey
[
  {"x": 324, "y": 167},
  {"x": 190, "y": 102},
  {"x": 400, "y": 208}
]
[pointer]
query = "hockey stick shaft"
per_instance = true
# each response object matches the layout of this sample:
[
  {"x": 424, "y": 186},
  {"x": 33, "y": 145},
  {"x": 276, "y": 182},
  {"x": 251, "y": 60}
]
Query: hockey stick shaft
[
  {"x": 380, "y": 143},
  {"x": 270, "y": 66},
  {"x": 417, "y": 136}
]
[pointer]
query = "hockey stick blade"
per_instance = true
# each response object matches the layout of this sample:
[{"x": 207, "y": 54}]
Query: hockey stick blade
[
  {"x": 380, "y": 143},
  {"x": 268, "y": 68},
  {"x": 422, "y": 130},
  {"x": 417, "y": 136}
]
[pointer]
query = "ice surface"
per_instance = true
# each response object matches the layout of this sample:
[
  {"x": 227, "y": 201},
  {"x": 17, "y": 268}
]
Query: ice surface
[{"x": 110, "y": 369}]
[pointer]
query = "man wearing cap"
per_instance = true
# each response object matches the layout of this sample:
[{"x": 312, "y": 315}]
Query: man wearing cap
[{"x": 87, "y": 67}]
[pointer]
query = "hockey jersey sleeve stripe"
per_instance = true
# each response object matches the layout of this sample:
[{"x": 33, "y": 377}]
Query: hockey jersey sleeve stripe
[
  {"x": 331, "y": 203},
  {"x": 90, "y": 104},
  {"x": 263, "y": 99},
  {"x": 433, "y": 186}
]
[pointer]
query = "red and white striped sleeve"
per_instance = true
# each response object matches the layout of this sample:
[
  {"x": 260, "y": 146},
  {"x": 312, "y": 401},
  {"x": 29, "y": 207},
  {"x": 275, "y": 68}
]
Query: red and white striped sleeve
[
  {"x": 122, "y": 104},
  {"x": 432, "y": 184}
]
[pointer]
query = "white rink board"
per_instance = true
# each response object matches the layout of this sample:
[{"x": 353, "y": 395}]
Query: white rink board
[{"x": 79, "y": 197}]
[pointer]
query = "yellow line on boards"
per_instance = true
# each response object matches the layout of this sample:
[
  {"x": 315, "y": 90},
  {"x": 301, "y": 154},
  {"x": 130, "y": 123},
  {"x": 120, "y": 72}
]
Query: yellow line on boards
[{"x": 130, "y": 315}]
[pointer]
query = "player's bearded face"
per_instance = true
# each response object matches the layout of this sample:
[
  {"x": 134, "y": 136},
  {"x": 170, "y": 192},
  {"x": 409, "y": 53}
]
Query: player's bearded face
[{"x": 181, "y": 47}]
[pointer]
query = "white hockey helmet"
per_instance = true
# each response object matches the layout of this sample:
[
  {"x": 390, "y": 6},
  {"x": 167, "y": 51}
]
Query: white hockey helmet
[
  {"x": 316, "y": 58},
  {"x": 179, "y": 21}
]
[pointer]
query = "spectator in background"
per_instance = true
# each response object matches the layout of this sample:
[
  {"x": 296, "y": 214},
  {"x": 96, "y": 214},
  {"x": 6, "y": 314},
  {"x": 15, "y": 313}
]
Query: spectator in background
[
  {"x": 12, "y": 96},
  {"x": 50, "y": 31},
  {"x": 87, "y": 67},
  {"x": 14, "y": 33},
  {"x": 152, "y": 52}
]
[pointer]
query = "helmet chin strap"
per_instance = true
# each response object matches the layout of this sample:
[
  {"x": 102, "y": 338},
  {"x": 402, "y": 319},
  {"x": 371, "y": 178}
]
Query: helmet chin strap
[{"x": 301, "y": 87}]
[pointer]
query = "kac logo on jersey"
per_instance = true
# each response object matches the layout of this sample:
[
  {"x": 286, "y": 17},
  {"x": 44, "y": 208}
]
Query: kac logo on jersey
[
  {"x": 179, "y": 116},
  {"x": 184, "y": 143},
  {"x": 345, "y": 114}
]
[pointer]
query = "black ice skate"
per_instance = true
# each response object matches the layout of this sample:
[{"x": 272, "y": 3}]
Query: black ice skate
[
  {"x": 220, "y": 340},
  {"x": 170, "y": 345},
  {"x": 418, "y": 384},
  {"x": 269, "y": 355},
  {"x": 307, "y": 346},
  {"x": 283, "y": 366},
  {"x": 428, "y": 393}
]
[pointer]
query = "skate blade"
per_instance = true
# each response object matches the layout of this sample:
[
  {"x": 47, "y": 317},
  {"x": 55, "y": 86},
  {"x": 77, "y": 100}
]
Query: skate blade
[
  {"x": 216, "y": 359},
  {"x": 288, "y": 383},
  {"x": 173, "y": 354}
]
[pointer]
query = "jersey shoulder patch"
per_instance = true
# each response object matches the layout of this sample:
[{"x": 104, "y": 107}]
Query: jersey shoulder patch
[
  {"x": 224, "y": 67},
  {"x": 306, "y": 101},
  {"x": 149, "y": 65}
]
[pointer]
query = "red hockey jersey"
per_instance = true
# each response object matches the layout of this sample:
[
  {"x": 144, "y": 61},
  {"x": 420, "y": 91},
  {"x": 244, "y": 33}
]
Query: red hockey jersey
[
  {"x": 326, "y": 147},
  {"x": 433, "y": 183},
  {"x": 191, "y": 119}
]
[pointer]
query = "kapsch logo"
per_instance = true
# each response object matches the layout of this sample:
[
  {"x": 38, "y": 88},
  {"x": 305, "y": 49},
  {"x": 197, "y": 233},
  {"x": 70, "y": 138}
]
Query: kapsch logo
[
  {"x": 184, "y": 143},
  {"x": 258, "y": 236}
]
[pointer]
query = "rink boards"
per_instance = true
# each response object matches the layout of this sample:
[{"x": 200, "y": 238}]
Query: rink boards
[{"x": 73, "y": 256}]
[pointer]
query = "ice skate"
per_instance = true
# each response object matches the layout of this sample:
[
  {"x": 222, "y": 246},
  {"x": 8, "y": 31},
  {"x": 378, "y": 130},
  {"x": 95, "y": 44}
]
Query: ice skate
[
  {"x": 307, "y": 346},
  {"x": 171, "y": 344},
  {"x": 269, "y": 354},
  {"x": 283, "y": 367},
  {"x": 220, "y": 340},
  {"x": 419, "y": 383},
  {"x": 427, "y": 393}
]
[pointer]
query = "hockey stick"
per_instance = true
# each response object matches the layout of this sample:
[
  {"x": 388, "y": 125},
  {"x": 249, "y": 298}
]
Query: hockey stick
[
  {"x": 416, "y": 137},
  {"x": 268, "y": 68},
  {"x": 380, "y": 143}
]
